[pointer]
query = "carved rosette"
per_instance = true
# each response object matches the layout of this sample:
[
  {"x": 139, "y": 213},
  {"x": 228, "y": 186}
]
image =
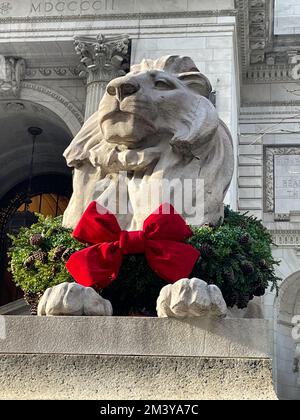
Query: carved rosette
[
  {"x": 12, "y": 72},
  {"x": 102, "y": 59}
]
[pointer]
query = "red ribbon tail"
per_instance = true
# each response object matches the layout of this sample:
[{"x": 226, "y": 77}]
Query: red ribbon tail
[
  {"x": 96, "y": 266},
  {"x": 171, "y": 260}
]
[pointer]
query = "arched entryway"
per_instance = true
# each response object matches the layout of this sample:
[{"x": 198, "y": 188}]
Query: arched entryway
[
  {"x": 51, "y": 178},
  {"x": 50, "y": 195},
  {"x": 287, "y": 305}
]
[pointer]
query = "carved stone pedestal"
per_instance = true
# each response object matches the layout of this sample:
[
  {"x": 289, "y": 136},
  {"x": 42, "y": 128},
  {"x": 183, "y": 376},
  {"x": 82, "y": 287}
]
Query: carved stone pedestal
[{"x": 135, "y": 358}]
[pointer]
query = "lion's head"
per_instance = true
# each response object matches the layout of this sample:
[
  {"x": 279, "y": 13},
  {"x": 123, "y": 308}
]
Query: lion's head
[{"x": 157, "y": 116}]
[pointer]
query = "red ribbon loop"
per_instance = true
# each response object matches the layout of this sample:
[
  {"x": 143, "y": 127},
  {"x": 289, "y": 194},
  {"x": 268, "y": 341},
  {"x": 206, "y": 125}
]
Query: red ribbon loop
[{"x": 161, "y": 240}]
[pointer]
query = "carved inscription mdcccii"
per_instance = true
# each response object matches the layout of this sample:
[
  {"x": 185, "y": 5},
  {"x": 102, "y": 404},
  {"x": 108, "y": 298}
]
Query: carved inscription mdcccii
[{"x": 70, "y": 6}]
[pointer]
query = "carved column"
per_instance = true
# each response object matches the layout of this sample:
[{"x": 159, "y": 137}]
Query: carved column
[
  {"x": 12, "y": 72},
  {"x": 102, "y": 59}
]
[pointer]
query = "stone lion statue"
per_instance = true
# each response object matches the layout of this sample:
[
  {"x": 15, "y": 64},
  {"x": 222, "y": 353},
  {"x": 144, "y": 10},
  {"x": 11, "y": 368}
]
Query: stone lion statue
[{"x": 154, "y": 125}]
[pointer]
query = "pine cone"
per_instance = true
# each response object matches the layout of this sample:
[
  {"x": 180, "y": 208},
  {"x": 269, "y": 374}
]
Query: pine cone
[
  {"x": 247, "y": 267},
  {"x": 226, "y": 211},
  {"x": 228, "y": 275},
  {"x": 206, "y": 251},
  {"x": 263, "y": 264},
  {"x": 58, "y": 252},
  {"x": 243, "y": 301},
  {"x": 29, "y": 262},
  {"x": 67, "y": 254},
  {"x": 33, "y": 301},
  {"x": 230, "y": 299},
  {"x": 36, "y": 239},
  {"x": 244, "y": 239},
  {"x": 54, "y": 270},
  {"x": 259, "y": 291},
  {"x": 40, "y": 256}
]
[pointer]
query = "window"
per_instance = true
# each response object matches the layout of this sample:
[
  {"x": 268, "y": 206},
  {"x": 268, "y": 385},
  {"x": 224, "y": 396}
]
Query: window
[
  {"x": 47, "y": 204},
  {"x": 287, "y": 17}
]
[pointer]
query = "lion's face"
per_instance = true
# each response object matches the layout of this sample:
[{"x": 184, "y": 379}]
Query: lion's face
[{"x": 144, "y": 104}]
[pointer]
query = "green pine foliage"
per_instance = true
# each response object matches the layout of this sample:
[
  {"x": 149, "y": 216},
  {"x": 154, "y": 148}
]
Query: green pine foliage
[
  {"x": 241, "y": 262},
  {"x": 35, "y": 267},
  {"x": 236, "y": 255}
]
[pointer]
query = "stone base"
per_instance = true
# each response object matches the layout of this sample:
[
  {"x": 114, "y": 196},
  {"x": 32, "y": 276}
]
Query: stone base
[
  {"x": 133, "y": 377},
  {"x": 134, "y": 358}
]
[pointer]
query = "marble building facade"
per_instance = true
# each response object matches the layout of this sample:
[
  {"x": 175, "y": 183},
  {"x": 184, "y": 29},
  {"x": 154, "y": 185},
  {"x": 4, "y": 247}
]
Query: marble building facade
[{"x": 247, "y": 48}]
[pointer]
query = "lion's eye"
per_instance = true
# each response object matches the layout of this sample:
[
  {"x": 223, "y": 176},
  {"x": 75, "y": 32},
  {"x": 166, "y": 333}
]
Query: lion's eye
[{"x": 163, "y": 84}]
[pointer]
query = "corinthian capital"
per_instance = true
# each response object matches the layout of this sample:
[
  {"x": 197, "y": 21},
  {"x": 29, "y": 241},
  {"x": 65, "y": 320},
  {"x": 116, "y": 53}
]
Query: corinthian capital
[
  {"x": 107, "y": 55},
  {"x": 12, "y": 72}
]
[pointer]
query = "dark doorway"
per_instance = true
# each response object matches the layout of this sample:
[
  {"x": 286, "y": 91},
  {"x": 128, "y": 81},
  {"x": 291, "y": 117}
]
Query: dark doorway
[{"x": 50, "y": 195}]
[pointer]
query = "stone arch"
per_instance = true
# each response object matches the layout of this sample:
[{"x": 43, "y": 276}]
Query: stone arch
[
  {"x": 16, "y": 143},
  {"x": 286, "y": 305},
  {"x": 55, "y": 102}
]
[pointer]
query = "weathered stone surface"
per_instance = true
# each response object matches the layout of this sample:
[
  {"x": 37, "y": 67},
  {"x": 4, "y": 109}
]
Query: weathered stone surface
[
  {"x": 151, "y": 358},
  {"x": 133, "y": 377},
  {"x": 297, "y": 361},
  {"x": 204, "y": 337},
  {"x": 190, "y": 298},
  {"x": 155, "y": 125},
  {"x": 73, "y": 299}
]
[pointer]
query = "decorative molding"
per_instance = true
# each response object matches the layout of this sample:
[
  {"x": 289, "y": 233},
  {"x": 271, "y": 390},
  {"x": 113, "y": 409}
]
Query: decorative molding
[
  {"x": 19, "y": 106},
  {"x": 61, "y": 72},
  {"x": 272, "y": 105},
  {"x": 264, "y": 56},
  {"x": 5, "y": 7},
  {"x": 119, "y": 16},
  {"x": 289, "y": 238},
  {"x": 103, "y": 58},
  {"x": 12, "y": 72},
  {"x": 57, "y": 97},
  {"x": 269, "y": 153},
  {"x": 14, "y": 107}
]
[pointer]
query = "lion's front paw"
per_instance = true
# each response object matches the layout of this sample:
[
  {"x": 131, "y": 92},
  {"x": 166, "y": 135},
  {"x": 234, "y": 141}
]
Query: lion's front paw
[
  {"x": 73, "y": 299},
  {"x": 190, "y": 298}
]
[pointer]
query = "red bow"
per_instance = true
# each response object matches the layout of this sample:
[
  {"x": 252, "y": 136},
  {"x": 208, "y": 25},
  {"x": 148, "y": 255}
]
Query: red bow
[{"x": 160, "y": 240}]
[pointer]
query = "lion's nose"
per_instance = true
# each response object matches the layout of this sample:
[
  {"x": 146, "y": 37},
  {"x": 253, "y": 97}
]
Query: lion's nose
[{"x": 122, "y": 90}]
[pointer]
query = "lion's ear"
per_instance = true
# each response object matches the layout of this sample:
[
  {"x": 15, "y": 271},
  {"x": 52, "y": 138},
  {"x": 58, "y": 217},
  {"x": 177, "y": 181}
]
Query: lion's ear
[
  {"x": 197, "y": 82},
  {"x": 88, "y": 136}
]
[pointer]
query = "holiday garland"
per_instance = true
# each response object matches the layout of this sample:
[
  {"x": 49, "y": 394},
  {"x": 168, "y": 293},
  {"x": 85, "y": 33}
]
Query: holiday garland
[
  {"x": 38, "y": 254},
  {"x": 235, "y": 255}
]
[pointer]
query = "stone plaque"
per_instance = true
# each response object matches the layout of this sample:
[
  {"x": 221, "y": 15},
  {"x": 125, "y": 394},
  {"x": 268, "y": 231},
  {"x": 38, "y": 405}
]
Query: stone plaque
[{"x": 287, "y": 183}]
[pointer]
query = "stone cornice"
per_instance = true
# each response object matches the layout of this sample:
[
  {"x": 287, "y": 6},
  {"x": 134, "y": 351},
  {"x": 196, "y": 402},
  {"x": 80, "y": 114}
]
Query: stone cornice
[
  {"x": 118, "y": 16},
  {"x": 264, "y": 56},
  {"x": 286, "y": 238}
]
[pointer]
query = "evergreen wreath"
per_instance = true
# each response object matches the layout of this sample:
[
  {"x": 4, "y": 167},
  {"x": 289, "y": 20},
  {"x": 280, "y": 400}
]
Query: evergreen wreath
[{"x": 236, "y": 255}]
